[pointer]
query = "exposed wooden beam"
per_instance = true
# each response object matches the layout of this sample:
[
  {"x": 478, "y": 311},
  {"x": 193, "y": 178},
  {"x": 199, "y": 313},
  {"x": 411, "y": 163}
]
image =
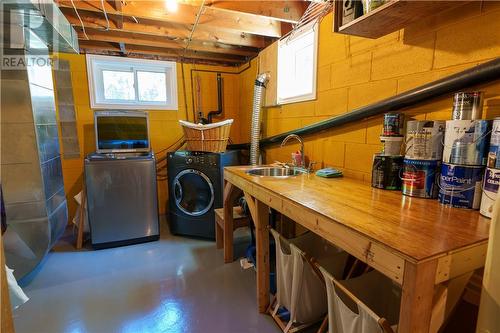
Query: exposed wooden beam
[
  {"x": 172, "y": 54},
  {"x": 118, "y": 18},
  {"x": 285, "y": 11},
  {"x": 166, "y": 29},
  {"x": 117, "y": 36},
  {"x": 155, "y": 10}
]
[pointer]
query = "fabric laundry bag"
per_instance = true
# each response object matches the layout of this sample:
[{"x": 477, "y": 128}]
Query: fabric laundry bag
[
  {"x": 356, "y": 305},
  {"x": 299, "y": 288}
]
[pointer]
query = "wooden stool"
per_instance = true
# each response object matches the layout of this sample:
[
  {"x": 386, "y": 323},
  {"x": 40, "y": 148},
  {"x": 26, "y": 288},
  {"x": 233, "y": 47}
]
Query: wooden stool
[{"x": 224, "y": 234}]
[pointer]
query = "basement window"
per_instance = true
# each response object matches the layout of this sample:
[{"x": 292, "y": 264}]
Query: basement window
[
  {"x": 297, "y": 59},
  {"x": 126, "y": 83}
]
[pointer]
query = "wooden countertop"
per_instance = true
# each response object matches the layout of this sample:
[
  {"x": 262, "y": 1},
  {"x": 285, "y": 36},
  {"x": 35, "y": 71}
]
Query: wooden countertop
[{"x": 418, "y": 229}]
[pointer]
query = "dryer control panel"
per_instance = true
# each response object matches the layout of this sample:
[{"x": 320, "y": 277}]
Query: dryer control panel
[{"x": 200, "y": 158}]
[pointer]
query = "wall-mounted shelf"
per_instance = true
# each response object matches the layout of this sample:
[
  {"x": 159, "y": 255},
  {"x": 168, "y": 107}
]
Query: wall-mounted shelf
[{"x": 390, "y": 17}]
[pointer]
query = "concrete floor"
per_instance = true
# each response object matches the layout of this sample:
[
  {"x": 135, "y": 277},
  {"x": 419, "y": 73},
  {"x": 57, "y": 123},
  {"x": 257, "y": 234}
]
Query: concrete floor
[{"x": 172, "y": 285}]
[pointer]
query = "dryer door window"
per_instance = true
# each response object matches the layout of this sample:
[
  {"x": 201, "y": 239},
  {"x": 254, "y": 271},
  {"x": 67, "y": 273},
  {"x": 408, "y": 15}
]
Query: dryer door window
[{"x": 193, "y": 192}]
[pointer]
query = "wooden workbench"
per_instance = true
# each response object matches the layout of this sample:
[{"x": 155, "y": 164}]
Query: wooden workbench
[{"x": 418, "y": 243}]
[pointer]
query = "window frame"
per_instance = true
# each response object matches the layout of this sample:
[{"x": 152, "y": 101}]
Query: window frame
[
  {"x": 314, "y": 26},
  {"x": 98, "y": 63}
]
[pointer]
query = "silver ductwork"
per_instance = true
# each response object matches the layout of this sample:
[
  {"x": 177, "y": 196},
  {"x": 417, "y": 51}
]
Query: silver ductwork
[
  {"x": 258, "y": 98},
  {"x": 42, "y": 18},
  {"x": 31, "y": 170}
]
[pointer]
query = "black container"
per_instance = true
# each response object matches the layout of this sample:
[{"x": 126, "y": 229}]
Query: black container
[
  {"x": 386, "y": 172},
  {"x": 393, "y": 124}
]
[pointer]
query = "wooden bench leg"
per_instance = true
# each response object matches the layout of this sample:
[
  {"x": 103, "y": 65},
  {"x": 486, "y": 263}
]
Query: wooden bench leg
[
  {"x": 228, "y": 238},
  {"x": 417, "y": 297},
  {"x": 219, "y": 236},
  {"x": 231, "y": 193}
]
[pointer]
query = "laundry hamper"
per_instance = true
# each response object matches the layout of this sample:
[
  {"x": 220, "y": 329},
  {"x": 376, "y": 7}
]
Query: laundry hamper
[
  {"x": 210, "y": 137},
  {"x": 366, "y": 304},
  {"x": 299, "y": 288}
]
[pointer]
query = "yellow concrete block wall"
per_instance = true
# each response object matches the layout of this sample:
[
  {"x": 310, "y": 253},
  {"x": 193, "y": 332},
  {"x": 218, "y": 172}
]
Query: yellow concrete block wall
[
  {"x": 354, "y": 72},
  {"x": 164, "y": 126}
]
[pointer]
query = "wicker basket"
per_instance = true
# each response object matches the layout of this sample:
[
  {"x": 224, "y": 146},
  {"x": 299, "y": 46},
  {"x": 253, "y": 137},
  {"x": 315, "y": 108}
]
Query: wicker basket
[{"x": 211, "y": 137}]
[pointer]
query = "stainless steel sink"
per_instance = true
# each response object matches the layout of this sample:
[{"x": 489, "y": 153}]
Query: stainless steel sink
[{"x": 275, "y": 172}]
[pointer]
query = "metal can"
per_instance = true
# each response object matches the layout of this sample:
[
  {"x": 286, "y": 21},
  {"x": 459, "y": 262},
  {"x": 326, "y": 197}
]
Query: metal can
[
  {"x": 391, "y": 145},
  {"x": 420, "y": 178},
  {"x": 460, "y": 186},
  {"x": 490, "y": 191},
  {"x": 393, "y": 124},
  {"x": 424, "y": 139},
  {"x": 385, "y": 172},
  {"x": 466, "y": 142},
  {"x": 494, "y": 151},
  {"x": 467, "y": 105}
]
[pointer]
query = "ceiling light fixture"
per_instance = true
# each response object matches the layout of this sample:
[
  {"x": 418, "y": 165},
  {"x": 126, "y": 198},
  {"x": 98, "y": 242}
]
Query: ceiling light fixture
[{"x": 172, "y": 5}]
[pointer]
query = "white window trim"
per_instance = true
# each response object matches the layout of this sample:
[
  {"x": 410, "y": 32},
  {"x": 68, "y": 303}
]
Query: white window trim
[
  {"x": 142, "y": 65},
  {"x": 307, "y": 97}
]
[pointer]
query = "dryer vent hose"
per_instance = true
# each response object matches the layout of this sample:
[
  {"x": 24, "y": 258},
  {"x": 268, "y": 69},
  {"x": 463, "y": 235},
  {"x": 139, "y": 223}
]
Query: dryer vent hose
[{"x": 259, "y": 89}]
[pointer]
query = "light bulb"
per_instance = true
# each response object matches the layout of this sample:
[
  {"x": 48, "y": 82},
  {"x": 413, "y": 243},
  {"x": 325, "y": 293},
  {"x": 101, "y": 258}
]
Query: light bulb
[{"x": 172, "y": 5}]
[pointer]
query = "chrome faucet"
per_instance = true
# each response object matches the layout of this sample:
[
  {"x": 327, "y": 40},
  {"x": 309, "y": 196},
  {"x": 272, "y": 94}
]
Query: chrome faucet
[{"x": 298, "y": 138}]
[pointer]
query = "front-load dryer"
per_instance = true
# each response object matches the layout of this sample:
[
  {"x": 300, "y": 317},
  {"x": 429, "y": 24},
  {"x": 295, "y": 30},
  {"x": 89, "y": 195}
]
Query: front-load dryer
[{"x": 195, "y": 190}]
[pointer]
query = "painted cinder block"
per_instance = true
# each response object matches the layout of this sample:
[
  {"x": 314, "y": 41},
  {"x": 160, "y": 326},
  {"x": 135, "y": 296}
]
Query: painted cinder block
[
  {"x": 304, "y": 109},
  {"x": 331, "y": 102},
  {"x": 398, "y": 59},
  {"x": 353, "y": 70},
  {"x": 332, "y": 152},
  {"x": 324, "y": 78},
  {"x": 360, "y": 44},
  {"x": 331, "y": 46},
  {"x": 409, "y": 82},
  {"x": 359, "y": 157},
  {"x": 469, "y": 40},
  {"x": 349, "y": 133},
  {"x": 372, "y": 92},
  {"x": 354, "y": 174}
]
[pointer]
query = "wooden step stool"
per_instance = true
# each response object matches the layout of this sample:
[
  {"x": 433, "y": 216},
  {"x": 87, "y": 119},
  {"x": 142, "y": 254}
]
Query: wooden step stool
[{"x": 224, "y": 233}]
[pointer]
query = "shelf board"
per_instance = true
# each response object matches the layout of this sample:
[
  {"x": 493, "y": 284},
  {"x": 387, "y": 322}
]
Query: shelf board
[{"x": 391, "y": 16}]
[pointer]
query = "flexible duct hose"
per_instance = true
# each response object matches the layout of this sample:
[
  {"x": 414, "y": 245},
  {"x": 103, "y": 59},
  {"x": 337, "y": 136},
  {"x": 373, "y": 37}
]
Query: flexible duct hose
[{"x": 259, "y": 89}]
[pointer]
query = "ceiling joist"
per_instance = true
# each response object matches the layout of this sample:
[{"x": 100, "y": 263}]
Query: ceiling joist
[
  {"x": 117, "y": 36},
  {"x": 186, "y": 14},
  {"x": 166, "y": 30},
  {"x": 284, "y": 11},
  {"x": 228, "y": 32},
  {"x": 170, "y": 54}
]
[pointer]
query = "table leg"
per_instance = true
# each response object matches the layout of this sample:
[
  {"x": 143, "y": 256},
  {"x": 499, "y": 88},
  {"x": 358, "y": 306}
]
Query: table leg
[
  {"x": 262, "y": 248},
  {"x": 260, "y": 216},
  {"x": 229, "y": 190},
  {"x": 417, "y": 298}
]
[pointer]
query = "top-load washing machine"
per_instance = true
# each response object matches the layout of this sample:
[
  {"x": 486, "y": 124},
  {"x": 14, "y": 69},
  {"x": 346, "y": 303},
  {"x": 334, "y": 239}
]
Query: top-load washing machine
[{"x": 195, "y": 190}]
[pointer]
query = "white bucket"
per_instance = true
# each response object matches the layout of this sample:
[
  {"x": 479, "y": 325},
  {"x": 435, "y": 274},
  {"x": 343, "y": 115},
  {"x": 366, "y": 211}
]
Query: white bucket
[{"x": 392, "y": 145}]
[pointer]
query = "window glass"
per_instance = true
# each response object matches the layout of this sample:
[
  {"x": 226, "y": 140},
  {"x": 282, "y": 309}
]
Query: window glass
[
  {"x": 297, "y": 57},
  {"x": 152, "y": 86},
  {"x": 131, "y": 83},
  {"x": 118, "y": 85}
]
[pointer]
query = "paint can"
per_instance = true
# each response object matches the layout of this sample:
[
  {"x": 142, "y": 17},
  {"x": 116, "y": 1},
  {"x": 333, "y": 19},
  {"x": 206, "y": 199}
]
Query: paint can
[
  {"x": 490, "y": 191},
  {"x": 393, "y": 124},
  {"x": 460, "y": 186},
  {"x": 466, "y": 142},
  {"x": 385, "y": 172},
  {"x": 420, "y": 178},
  {"x": 467, "y": 105},
  {"x": 391, "y": 145},
  {"x": 424, "y": 139},
  {"x": 494, "y": 151}
]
